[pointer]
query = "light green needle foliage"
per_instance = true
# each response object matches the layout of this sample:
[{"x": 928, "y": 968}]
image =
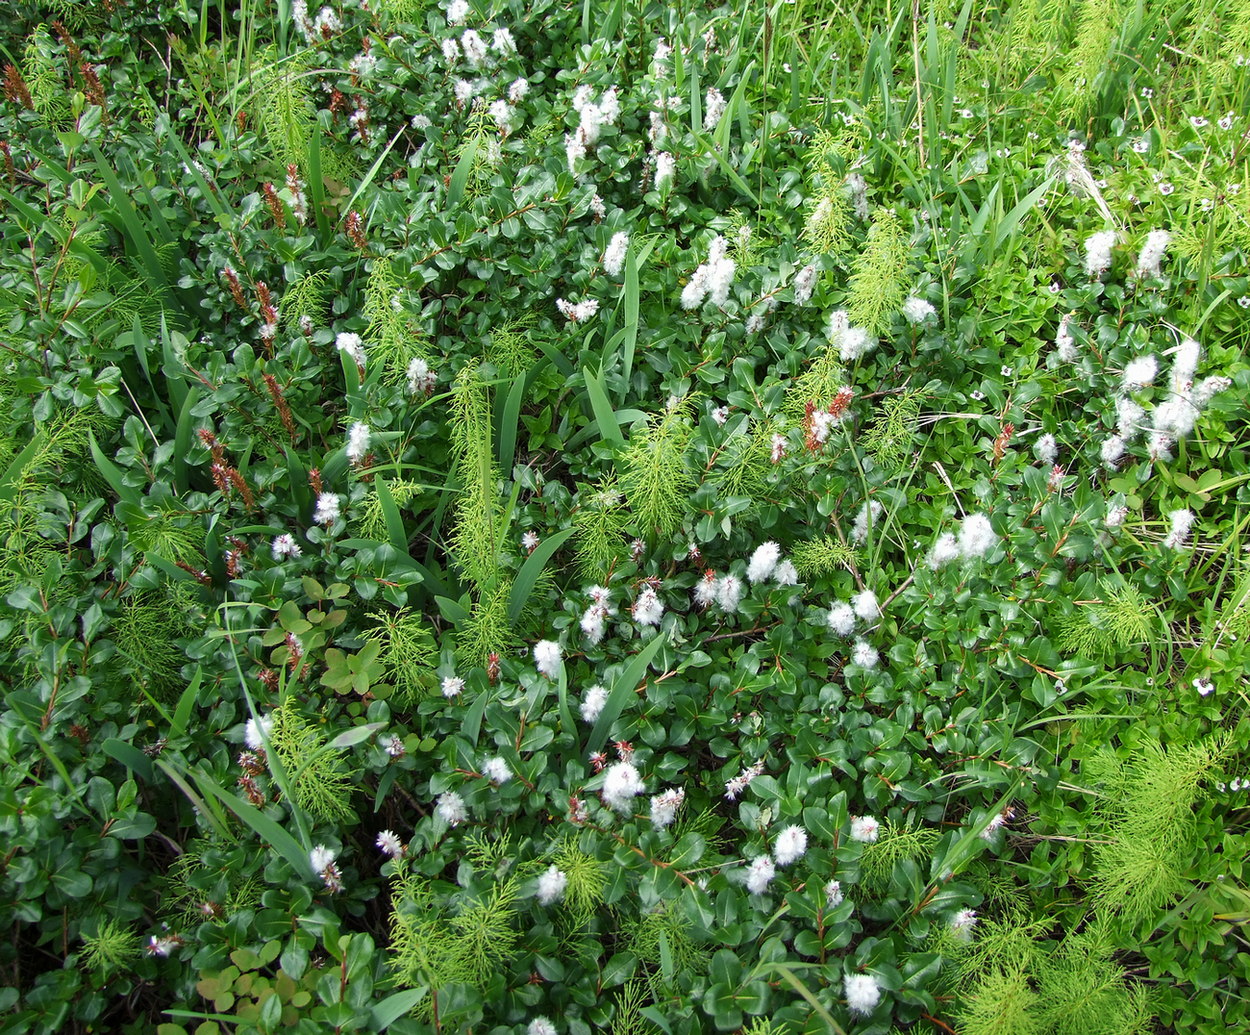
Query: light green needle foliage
[
  {"x": 307, "y": 296},
  {"x": 1002, "y": 1002},
  {"x": 655, "y": 472},
  {"x": 372, "y": 519},
  {"x": 745, "y": 463},
  {"x": 1083, "y": 991},
  {"x": 391, "y": 334},
  {"x": 1148, "y": 824},
  {"x": 431, "y": 945},
  {"x": 510, "y": 351},
  {"x": 894, "y": 845},
  {"x": 1089, "y": 60},
  {"x": 665, "y": 930},
  {"x": 408, "y": 653},
  {"x": 879, "y": 281},
  {"x": 814, "y": 558},
  {"x": 627, "y": 1018},
  {"x": 1121, "y": 619},
  {"x": 41, "y": 69},
  {"x": 819, "y": 384},
  {"x": 475, "y": 540},
  {"x": 488, "y": 628},
  {"x": 280, "y": 93},
  {"x": 111, "y": 947},
  {"x": 889, "y": 439},
  {"x": 600, "y": 520},
  {"x": 146, "y": 631},
  {"x": 323, "y": 780},
  {"x": 584, "y": 893}
]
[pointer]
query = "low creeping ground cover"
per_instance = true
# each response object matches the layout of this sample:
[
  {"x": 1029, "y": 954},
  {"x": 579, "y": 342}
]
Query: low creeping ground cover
[{"x": 607, "y": 517}]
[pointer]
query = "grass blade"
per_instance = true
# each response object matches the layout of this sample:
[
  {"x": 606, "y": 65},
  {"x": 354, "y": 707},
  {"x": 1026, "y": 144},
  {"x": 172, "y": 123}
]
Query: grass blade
[{"x": 623, "y": 688}]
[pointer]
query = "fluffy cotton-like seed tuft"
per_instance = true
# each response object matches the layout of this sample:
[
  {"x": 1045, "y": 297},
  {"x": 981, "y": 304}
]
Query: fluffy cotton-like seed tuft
[
  {"x": 945, "y": 550},
  {"x": 833, "y": 894},
  {"x": 547, "y": 658},
  {"x": 867, "y": 516},
  {"x": 328, "y": 508},
  {"x": 497, "y": 770},
  {"x": 866, "y": 606},
  {"x": 1140, "y": 372},
  {"x": 962, "y": 924},
  {"x": 421, "y": 379},
  {"x": 540, "y": 1026},
  {"x": 760, "y": 875},
  {"x": 592, "y": 704},
  {"x": 865, "y": 828},
  {"x": 865, "y": 654},
  {"x": 763, "y": 562},
  {"x": 862, "y": 993},
  {"x": 551, "y": 885},
  {"x": 976, "y": 536},
  {"x": 388, "y": 843},
  {"x": 1098, "y": 252},
  {"x": 284, "y": 546},
  {"x": 358, "y": 442},
  {"x": 252, "y": 732},
  {"x": 1046, "y": 448},
  {"x": 1180, "y": 521},
  {"x": 729, "y": 593},
  {"x": 1151, "y": 254},
  {"x": 621, "y": 785},
  {"x": 917, "y": 310},
  {"x": 786, "y": 574},
  {"x": 614, "y": 256},
  {"x": 805, "y": 284},
  {"x": 841, "y": 619},
  {"x": 648, "y": 608},
  {"x": 790, "y": 845},
  {"x": 321, "y": 858},
  {"x": 450, "y": 809},
  {"x": 664, "y": 807}
]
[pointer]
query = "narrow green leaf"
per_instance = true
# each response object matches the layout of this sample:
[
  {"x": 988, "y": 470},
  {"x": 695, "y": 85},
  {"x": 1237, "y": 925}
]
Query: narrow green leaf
[
  {"x": 392, "y": 1008},
  {"x": 182, "y": 438},
  {"x": 129, "y": 756},
  {"x": 352, "y": 737},
  {"x": 472, "y": 725},
  {"x": 10, "y": 481},
  {"x": 631, "y": 321},
  {"x": 532, "y": 569},
  {"x": 209, "y": 811},
  {"x": 622, "y": 692},
  {"x": 112, "y": 474},
  {"x": 726, "y": 168},
  {"x": 605, "y": 416},
  {"x": 460, "y": 178},
  {"x": 264, "y": 827},
  {"x": 186, "y": 702}
]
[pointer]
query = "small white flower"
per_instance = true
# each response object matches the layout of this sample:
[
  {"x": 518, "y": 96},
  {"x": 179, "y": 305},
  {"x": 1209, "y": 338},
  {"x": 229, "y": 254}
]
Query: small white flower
[
  {"x": 1203, "y": 686},
  {"x": 791, "y": 844},
  {"x": 917, "y": 310},
  {"x": 1115, "y": 516},
  {"x": 551, "y": 886},
  {"x": 729, "y": 593},
  {"x": 804, "y": 284},
  {"x": 389, "y": 844},
  {"x": 760, "y": 874},
  {"x": 862, "y": 993},
  {"x": 962, "y": 924},
  {"x": 740, "y": 782},
  {"x": 394, "y": 746},
  {"x": 497, "y": 770},
  {"x": 621, "y": 785},
  {"x": 594, "y": 623},
  {"x": 866, "y": 606},
  {"x": 547, "y": 656},
  {"x": 328, "y": 509},
  {"x": 614, "y": 257},
  {"x": 457, "y": 12},
  {"x": 252, "y": 732},
  {"x": 763, "y": 562},
  {"x": 453, "y": 686},
  {"x": 529, "y": 541},
  {"x": 786, "y": 574},
  {"x": 285, "y": 546},
  {"x": 450, "y": 809},
  {"x": 865, "y": 828},
  {"x": 833, "y": 894},
  {"x": 841, "y": 619},
  {"x": 996, "y": 821},
  {"x": 518, "y": 90},
  {"x": 720, "y": 415},
  {"x": 865, "y": 654},
  {"x": 1111, "y": 450},
  {"x": 664, "y": 807},
  {"x": 420, "y": 377},
  {"x": 976, "y": 536},
  {"x": 867, "y": 516},
  {"x": 358, "y": 442},
  {"x": 592, "y": 704},
  {"x": 540, "y": 1026}
]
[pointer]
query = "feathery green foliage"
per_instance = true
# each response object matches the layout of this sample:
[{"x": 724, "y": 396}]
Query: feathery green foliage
[
  {"x": 391, "y": 332},
  {"x": 1148, "y": 824},
  {"x": 111, "y": 946},
  {"x": 408, "y": 653},
  {"x": 818, "y": 385},
  {"x": 814, "y": 558},
  {"x": 894, "y": 845},
  {"x": 655, "y": 473},
  {"x": 475, "y": 540},
  {"x": 322, "y": 778},
  {"x": 878, "y": 281},
  {"x": 1002, "y": 1002},
  {"x": 890, "y": 437},
  {"x": 600, "y": 520},
  {"x": 281, "y": 97},
  {"x": 587, "y": 880}
]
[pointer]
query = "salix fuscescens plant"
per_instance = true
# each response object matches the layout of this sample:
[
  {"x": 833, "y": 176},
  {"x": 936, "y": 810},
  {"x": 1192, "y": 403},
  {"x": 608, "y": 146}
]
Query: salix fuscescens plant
[{"x": 597, "y": 518}]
